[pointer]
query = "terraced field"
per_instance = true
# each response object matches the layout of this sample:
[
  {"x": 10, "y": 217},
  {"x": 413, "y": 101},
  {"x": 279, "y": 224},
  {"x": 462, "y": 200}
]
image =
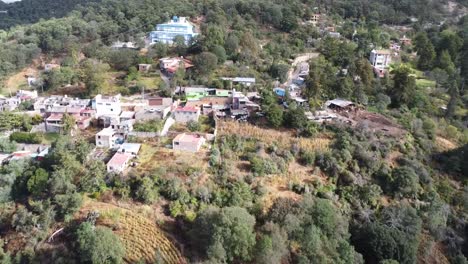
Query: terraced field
[{"x": 141, "y": 237}]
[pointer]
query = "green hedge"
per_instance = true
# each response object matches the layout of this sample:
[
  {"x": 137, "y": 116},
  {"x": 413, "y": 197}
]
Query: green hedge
[{"x": 25, "y": 137}]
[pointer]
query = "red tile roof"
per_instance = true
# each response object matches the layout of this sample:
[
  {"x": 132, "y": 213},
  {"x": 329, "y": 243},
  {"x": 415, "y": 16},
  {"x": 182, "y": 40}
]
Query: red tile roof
[
  {"x": 187, "y": 109},
  {"x": 188, "y": 138},
  {"x": 55, "y": 117}
]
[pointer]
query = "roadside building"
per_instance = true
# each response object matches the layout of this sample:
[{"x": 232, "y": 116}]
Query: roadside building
[{"x": 188, "y": 142}]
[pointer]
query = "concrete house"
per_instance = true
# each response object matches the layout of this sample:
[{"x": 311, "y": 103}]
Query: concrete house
[
  {"x": 177, "y": 26},
  {"x": 186, "y": 114},
  {"x": 380, "y": 60},
  {"x": 106, "y": 138},
  {"x": 108, "y": 108},
  {"x": 188, "y": 142},
  {"x": 171, "y": 65},
  {"x": 144, "y": 67},
  {"x": 119, "y": 162},
  {"x": 247, "y": 81},
  {"x": 130, "y": 148},
  {"x": 107, "y": 105},
  {"x": 153, "y": 112}
]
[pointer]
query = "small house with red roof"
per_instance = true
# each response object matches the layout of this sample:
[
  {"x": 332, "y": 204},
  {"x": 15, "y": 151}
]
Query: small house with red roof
[
  {"x": 186, "y": 114},
  {"x": 171, "y": 65},
  {"x": 188, "y": 142},
  {"x": 119, "y": 162}
]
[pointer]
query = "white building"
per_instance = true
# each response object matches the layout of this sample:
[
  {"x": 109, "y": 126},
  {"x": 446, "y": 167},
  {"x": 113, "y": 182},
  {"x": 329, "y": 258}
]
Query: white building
[
  {"x": 119, "y": 162},
  {"x": 107, "y": 106},
  {"x": 106, "y": 138},
  {"x": 380, "y": 59},
  {"x": 130, "y": 148},
  {"x": 186, "y": 114},
  {"x": 177, "y": 26},
  {"x": 188, "y": 142}
]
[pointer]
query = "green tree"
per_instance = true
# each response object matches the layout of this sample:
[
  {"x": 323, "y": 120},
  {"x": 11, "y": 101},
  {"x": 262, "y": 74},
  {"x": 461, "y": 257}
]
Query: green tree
[
  {"x": 445, "y": 62},
  {"x": 37, "y": 183},
  {"x": 93, "y": 179},
  {"x": 274, "y": 115},
  {"x": 220, "y": 52},
  {"x": 147, "y": 191},
  {"x": 404, "y": 86},
  {"x": 205, "y": 62},
  {"x": 232, "y": 44},
  {"x": 68, "y": 204},
  {"x": 180, "y": 47},
  {"x": 213, "y": 36},
  {"x": 451, "y": 42},
  {"x": 227, "y": 232},
  {"x": 69, "y": 123},
  {"x": 279, "y": 71},
  {"x": 425, "y": 50},
  {"x": 98, "y": 245},
  {"x": 405, "y": 181},
  {"x": 454, "y": 98}
]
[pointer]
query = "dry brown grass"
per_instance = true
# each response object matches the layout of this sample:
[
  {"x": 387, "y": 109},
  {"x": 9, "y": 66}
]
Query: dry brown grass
[
  {"x": 443, "y": 144},
  {"x": 282, "y": 138},
  {"x": 18, "y": 81},
  {"x": 141, "y": 237}
]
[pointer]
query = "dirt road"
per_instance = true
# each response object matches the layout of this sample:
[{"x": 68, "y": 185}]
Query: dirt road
[{"x": 300, "y": 63}]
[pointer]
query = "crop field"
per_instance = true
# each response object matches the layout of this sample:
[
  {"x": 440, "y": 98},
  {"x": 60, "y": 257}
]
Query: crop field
[
  {"x": 142, "y": 238},
  {"x": 269, "y": 136}
]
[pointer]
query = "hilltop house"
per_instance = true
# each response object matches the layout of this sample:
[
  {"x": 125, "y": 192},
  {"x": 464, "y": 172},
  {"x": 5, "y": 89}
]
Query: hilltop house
[
  {"x": 177, "y": 26},
  {"x": 188, "y": 142},
  {"x": 186, "y": 114}
]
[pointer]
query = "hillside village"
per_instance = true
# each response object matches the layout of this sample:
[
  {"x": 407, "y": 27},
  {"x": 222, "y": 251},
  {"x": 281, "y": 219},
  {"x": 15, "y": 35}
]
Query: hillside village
[{"x": 235, "y": 132}]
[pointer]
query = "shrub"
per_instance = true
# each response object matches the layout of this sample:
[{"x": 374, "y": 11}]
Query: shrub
[
  {"x": 193, "y": 126},
  {"x": 25, "y": 137}
]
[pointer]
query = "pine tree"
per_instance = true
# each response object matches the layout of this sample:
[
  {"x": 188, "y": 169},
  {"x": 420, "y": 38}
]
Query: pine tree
[{"x": 425, "y": 50}]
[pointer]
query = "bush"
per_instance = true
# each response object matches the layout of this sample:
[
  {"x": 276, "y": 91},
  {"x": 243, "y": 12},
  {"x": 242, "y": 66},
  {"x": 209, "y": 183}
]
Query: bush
[
  {"x": 193, "y": 126},
  {"x": 7, "y": 146},
  {"x": 25, "y": 137}
]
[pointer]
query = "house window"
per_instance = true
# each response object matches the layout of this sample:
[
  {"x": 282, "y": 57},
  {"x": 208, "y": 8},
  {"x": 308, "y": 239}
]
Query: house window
[
  {"x": 99, "y": 137},
  {"x": 176, "y": 143}
]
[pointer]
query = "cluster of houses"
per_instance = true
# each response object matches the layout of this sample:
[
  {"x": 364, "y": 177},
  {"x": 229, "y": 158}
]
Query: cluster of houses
[{"x": 222, "y": 103}]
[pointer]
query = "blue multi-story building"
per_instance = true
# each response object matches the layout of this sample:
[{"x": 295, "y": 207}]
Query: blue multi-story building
[{"x": 178, "y": 26}]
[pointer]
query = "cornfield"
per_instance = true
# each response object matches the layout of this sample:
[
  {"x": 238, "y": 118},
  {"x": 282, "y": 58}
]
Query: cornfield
[
  {"x": 141, "y": 237},
  {"x": 270, "y": 136}
]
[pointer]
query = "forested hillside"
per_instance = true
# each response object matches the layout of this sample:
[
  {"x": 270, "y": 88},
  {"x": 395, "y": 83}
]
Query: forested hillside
[
  {"x": 30, "y": 11},
  {"x": 381, "y": 179}
]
